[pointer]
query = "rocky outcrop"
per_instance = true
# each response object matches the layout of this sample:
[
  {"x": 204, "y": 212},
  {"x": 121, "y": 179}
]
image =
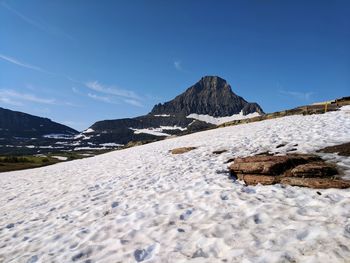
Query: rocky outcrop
[
  {"x": 212, "y": 96},
  {"x": 293, "y": 169}
]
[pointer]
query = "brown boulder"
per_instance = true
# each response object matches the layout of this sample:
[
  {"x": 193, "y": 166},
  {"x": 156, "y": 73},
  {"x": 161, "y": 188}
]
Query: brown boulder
[
  {"x": 303, "y": 158},
  {"x": 293, "y": 169},
  {"x": 268, "y": 167},
  {"x": 313, "y": 169},
  {"x": 261, "y": 158},
  {"x": 267, "y": 164},
  {"x": 318, "y": 183},
  {"x": 254, "y": 179}
]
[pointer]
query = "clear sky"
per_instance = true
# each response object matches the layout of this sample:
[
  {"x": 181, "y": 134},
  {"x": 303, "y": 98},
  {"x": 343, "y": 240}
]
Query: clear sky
[{"x": 80, "y": 61}]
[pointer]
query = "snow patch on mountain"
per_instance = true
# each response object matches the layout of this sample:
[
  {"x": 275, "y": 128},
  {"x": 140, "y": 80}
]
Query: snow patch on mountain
[
  {"x": 111, "y": 144},
  {"x": 58, "y": 136},
  {"x": 89, "y": 130},
  {"x": 221, "y": 120},
  {"x": 151, "y": 131},
  {"x": 158, "y": 131},
  {"x": 82, "y": 136},
  {"x": 162, "y": 115}
]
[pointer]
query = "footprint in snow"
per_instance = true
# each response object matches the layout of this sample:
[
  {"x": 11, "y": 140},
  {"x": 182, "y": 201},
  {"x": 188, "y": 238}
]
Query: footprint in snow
[
  {"x": 200, "y": 254},
  {"x": 347, "y": 231},
  {"x": 257, "y": 219},
  {"x": 224, "y": 197},
  {"x": 10, "y": 225},
  {"x": 33, "y": 259},
  {"x": 186, "y": 215},
  {"x": 302, "y": 235},
  {"x": 145, "y": 253},
  {"x": 114, "y": 204}
]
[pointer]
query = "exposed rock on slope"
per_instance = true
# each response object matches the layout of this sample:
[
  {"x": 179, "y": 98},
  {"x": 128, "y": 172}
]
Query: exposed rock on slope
[
  {"x": 294, "y": 169},
  {"x": 211, "y": 95}
]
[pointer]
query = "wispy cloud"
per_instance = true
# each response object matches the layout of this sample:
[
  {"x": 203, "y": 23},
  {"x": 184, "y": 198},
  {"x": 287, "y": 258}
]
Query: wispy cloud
[
  {"x": 305, "y": 96},
  {"x": 22, "y": 64},
  {"x": 9, "y": 101},
  {"x": 101, "y": 98},
  {"x": 114, "y": 93},
  {"x": 23, "y": 17},
  {"x": 133, "y": 102},
  {"x": 17, "y": 97},
  {"x": 111, "y": 90},
  {"x": 178, "y": 65},
  {"x": 39, "y": 25}
]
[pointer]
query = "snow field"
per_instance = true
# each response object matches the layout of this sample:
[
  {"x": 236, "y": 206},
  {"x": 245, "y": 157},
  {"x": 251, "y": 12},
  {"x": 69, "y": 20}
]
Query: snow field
[{"x": 144, "y": 204}]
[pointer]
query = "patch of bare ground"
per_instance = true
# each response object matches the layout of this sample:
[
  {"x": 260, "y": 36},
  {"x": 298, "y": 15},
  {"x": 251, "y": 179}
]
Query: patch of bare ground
[{"x": 182, "y": 150}]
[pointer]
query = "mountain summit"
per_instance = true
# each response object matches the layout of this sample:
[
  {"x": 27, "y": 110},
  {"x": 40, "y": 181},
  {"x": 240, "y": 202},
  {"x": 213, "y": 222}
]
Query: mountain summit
[{"x": 212, "y": 96}]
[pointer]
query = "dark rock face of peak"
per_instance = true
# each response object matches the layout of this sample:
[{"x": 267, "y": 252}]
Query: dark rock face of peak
[{"x": 211, "y": 95}]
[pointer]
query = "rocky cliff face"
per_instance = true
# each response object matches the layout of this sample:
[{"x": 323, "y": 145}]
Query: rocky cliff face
[{"x": 212, "y": 96}]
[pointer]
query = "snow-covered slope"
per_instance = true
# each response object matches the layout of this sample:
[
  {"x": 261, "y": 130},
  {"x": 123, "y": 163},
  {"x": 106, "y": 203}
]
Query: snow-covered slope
[{"x": 144, "y": 203}]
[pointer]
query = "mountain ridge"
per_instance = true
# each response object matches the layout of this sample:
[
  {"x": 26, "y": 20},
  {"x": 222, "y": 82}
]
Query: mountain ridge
[{"x": 22, "y": 124}]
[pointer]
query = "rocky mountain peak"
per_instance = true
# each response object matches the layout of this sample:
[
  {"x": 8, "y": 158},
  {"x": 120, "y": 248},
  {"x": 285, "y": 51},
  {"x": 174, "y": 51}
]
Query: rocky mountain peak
[
  {"x": 213, "y": 81},
  {"x": 211, "y": 95}
]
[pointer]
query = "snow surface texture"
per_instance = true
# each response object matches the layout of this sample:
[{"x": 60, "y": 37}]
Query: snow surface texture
[
  {"x": 145, "y": 204},
  {"x": 221, "y": 120}
]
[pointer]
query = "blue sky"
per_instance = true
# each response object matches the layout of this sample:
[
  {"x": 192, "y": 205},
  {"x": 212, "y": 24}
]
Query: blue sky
[{"x": 79, "y": 61}]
